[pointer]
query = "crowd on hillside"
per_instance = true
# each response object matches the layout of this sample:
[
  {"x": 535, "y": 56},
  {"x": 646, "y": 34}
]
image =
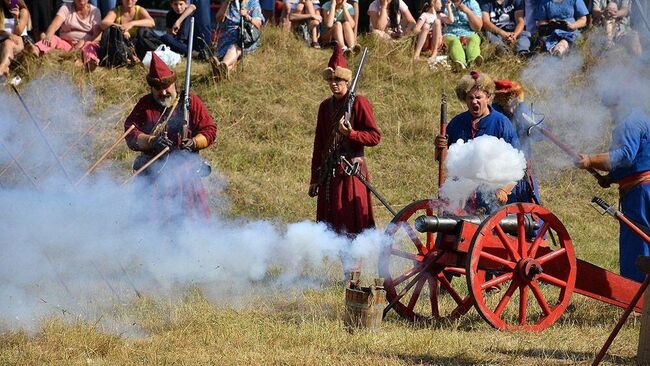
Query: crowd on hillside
[{"x": 109, "y": 35}]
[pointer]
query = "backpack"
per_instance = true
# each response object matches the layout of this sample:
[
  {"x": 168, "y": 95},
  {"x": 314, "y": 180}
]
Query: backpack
[
  {"x": 145, "y": 41},
  {"x": 114, "y": 50}
]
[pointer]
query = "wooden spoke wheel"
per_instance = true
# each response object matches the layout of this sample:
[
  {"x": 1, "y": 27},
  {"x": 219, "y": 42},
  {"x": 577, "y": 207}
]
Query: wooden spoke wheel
[
  {"x": 540, "y": 263},
  {"x": 418, "y": 286}
]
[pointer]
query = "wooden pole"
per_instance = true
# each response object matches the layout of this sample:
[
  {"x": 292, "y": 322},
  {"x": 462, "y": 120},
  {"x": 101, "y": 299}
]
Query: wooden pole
[
  {"x": 105, "y": 155},
  {"x": 153, "y": 160}
]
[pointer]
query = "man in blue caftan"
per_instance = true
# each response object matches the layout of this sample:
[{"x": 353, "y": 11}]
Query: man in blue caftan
[
  {"x": 628, "y": 164},
  {"x": 477, "y": 90},
  {"x": 509, "y": 100}
]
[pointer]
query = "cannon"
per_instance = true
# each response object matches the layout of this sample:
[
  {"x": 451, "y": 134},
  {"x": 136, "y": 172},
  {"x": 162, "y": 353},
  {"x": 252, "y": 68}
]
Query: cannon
[{"x": 517, "y": 267}]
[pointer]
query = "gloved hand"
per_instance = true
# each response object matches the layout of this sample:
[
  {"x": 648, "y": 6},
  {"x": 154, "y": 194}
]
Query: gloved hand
[
  {"x": 440, "y": 143},
  {"x": 161, "y": 142},
  {"x": 188, "y": 144}
]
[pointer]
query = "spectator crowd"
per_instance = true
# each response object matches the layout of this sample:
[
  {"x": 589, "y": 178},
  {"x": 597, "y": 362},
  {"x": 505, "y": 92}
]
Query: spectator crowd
[{"x": 447, "y": 32}]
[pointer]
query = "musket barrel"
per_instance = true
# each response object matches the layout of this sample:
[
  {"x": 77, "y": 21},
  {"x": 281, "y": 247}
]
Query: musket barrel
[{"x": 452, "y": 224}]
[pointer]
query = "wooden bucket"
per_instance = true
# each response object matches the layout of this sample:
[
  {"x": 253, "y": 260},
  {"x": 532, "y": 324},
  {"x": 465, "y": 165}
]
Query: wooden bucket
[{"x": 364, "y": 306}]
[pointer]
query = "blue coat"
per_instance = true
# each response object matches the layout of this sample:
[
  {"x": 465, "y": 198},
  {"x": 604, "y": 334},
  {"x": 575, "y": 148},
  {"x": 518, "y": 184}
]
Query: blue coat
[{"x": 629, "y": 155}]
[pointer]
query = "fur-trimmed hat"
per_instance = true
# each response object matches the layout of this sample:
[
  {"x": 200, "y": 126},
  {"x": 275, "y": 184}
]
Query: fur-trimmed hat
[
  {"x": 337, "y": 66},
  {"x": 508, "y": 87},
  {"x": 474, "y": 80},
  {"x": 160, "y": 75}
]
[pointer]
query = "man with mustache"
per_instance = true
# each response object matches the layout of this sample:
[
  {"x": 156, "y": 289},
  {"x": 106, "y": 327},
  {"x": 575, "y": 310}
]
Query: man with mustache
[
  {"x": 158, "y": 120},
  {"x": 477, "y": 91}
]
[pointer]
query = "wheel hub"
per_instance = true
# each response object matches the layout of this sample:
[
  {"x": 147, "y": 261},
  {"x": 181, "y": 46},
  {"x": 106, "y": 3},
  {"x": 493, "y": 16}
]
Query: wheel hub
[{"x": 529, "y": 269}]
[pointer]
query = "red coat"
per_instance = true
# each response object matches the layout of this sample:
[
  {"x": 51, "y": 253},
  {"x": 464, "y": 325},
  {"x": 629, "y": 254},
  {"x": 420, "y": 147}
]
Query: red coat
[
  {"x": 174, "y": 180},
  {"x": 348, "y": 209}
]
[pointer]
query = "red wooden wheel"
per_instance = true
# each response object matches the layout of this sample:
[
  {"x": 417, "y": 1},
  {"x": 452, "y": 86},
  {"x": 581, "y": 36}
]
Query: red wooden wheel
[
  {"x": 521, "y": 265},
  {"x": 415, "y": 276}
]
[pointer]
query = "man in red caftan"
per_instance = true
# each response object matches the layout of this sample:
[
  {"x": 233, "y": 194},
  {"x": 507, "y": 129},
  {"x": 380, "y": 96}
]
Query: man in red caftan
[
  {"x": 344, "y": 202},
  {"x": 158, "y": 119}
]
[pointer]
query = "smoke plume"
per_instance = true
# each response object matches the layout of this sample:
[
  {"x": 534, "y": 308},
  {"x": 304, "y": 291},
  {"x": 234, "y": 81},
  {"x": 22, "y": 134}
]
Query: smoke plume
[
  {"x": 78, "y": 251},
  {"x": 484, "y": 163}
]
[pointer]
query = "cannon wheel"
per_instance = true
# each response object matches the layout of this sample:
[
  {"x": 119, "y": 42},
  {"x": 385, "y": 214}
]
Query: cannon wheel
[
  {"x": 520, "y": 265},
  {"x": 413, "y": 289}
]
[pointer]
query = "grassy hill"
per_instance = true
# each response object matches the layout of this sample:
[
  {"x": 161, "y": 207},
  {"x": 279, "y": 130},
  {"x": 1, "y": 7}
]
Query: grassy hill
[{"x": 266, "y": 118}]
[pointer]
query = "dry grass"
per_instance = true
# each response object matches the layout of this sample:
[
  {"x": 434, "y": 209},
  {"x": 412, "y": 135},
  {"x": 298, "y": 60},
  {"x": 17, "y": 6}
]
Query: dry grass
[{"x": 266, "y": 117}]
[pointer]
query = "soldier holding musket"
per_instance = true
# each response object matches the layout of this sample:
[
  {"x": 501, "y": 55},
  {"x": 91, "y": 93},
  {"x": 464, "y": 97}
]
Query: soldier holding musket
[
  {"x": 160, "y": 124},
  {"x": 344, "y": 202}
]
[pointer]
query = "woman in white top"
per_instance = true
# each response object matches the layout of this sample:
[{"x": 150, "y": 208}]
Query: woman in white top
[
  {"x": 14, "y": 19},
  {"x": 390, "y": 18}
]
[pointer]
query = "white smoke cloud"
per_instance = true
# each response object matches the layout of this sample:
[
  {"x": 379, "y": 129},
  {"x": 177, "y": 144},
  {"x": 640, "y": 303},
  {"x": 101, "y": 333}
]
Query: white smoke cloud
[
  {"x": 485, "y": 162},
  {"x": 77, "y": 252}
]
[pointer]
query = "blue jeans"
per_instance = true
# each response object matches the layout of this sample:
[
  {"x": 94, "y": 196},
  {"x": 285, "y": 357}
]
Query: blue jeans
[
  {"x": 202, "y": 22},
  {"x": 522, "y": 44},
  {"x": 174, "y": 43}
]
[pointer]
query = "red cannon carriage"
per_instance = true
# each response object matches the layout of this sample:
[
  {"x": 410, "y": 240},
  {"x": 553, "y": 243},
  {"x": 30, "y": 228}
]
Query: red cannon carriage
[{"x": 517, "y": 267}]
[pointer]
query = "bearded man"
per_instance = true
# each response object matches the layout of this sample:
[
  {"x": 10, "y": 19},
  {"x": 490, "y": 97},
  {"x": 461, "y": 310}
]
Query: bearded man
[{"x": 158, "y": 120}]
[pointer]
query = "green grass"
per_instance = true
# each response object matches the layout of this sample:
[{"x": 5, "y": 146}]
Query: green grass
[{"x": 266, "y": 118}]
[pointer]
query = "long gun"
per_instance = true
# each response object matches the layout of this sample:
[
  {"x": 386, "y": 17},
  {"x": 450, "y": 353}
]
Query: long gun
[
  {"x": 330, "y": 157},
  {"x": 186, "y": 92},
  {"x": 643, "y": 233},
  {"x": 602, "y": 180},
  {"x": 443, "y": 132}
]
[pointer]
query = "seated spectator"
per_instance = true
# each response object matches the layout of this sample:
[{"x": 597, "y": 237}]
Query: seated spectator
[
  {"x": 462, "y": 42},
  {"x": 78, "y": 25},
  {"x": 614, "y": 16},
  {"x": 390, "y": 18},
  {"x": 229, "y": 49},
  {"x": 129, "y": 18},
  {"x": 14, "y": 19},
  {"x": 503, "y": 23},
  {"x": 178, "y": 30},
  {"x": 355, "y": 8},
  {"x": 303, "y": 16},
  {"x": 41, "y": 13},
  {"x": 338, "y": 25},
  {"x": 430, "y": 21},
  {"x": 559, "y": 23}
]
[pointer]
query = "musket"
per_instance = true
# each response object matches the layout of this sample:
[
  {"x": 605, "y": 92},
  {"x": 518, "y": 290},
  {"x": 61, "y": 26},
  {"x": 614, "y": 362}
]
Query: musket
[
  {"x": 330, "y": 157},
  {"x": 40, "y": 131},
  {"x": 602, "y": 180},
  {"x": 186, "y": 92},
  {"x": 642, "y": 232},
  {"x": 443, "y": 132},
  {"x": 354, "y": 171},
  {"x": 105, "y": 155}
]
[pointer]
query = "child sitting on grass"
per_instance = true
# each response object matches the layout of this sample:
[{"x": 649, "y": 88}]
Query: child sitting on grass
[
  {"x": 430, "y": 21},
  {"x": 178, "y": 30}
]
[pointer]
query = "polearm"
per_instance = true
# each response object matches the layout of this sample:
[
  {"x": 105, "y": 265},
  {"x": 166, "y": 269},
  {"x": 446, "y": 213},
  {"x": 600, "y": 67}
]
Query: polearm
[
  {"x": 15, "y": 161},
  {"x": 353, "y": 170},
  {"x": 151, "y": 161},
  {"x": 40, "y": 131},
  {"x": 105, "y": 155},
  {"x": 17, "y": 156},
  {"x": 602, "y": 180},
  {"x": 641, "y": 232}
]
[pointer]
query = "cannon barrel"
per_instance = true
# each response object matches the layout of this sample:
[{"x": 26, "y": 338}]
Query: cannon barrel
[{"x": 451, "y": 224}]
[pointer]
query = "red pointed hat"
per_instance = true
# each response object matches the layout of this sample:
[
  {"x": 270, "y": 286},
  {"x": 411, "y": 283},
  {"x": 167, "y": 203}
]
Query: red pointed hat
[
  {"x": 508, "y": 87},
  {"x": 160, "y": 75},
  {"x": 337, "y": 66}
]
